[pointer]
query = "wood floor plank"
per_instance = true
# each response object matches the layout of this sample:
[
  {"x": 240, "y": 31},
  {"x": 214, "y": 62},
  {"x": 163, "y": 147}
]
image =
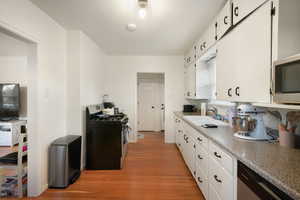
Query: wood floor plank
[{"x": 153, "y": 171}]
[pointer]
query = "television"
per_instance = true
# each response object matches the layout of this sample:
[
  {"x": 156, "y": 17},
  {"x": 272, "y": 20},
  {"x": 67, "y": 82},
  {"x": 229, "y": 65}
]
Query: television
[{"x": 9, "y": 101}]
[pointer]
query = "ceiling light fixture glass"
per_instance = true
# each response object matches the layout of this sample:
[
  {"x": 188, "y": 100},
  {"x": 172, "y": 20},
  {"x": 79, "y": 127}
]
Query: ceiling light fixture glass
[
  {"x": 131, "y": 27},
  {"x": 143, "y": 4},
  {"x": 142, "y": 13}
]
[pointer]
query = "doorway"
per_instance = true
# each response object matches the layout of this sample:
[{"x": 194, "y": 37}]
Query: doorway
[
  {"x": 18, "y": 65},
  {"x": 151, "y": 102}
]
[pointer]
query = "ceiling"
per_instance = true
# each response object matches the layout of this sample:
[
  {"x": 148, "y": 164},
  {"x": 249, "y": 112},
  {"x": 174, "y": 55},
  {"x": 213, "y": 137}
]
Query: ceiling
[{"x": 170, "y": 27}]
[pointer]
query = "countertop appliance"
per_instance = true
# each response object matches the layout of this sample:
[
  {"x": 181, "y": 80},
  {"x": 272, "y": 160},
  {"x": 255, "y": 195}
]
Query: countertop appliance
[
  {"x": 10, "y": 132},
  {"x": 286, "y": 81},
  {"x": 188, "y": 108},
  {"x": 106, "y": 140},
  {"x": 252, "y": 186},
  {"x": 249, "y": 123},
  {"x": 64, "y": 161}
]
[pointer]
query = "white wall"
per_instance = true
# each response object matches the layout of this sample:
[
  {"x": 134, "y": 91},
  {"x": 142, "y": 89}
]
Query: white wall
[
  {"x": 120, "y": 76},
  {"x": 46, "y": 82},
  {"x": 84, "y": 81},
  {"x": 13, "y": 66}
]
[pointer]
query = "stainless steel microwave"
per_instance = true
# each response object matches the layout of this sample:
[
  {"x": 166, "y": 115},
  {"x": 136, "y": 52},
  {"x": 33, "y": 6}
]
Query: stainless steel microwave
[{"x": 286, "y": 80}]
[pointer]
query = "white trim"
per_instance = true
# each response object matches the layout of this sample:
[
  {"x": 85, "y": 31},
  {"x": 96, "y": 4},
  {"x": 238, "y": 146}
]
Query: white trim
[{"x": 35, "y": 187}]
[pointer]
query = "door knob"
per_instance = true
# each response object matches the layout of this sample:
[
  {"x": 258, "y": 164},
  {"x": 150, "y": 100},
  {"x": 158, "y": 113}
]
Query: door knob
[{"x": 153, "y": 107}]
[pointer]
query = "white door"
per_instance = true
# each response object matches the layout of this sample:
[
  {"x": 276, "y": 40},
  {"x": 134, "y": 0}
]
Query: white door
[{"x": 150, "y": 106}]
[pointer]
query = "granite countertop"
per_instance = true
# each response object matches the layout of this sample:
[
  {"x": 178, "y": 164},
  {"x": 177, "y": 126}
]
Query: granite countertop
[{"x": 278, "y": 165}]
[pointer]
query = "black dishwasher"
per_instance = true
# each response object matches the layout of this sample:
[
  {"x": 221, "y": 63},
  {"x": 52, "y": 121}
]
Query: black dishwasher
[{"x": 252, "y": 186}]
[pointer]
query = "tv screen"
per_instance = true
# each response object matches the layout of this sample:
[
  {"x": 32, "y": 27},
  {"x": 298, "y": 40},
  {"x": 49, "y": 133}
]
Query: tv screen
[{"x": 9, "y": 101}]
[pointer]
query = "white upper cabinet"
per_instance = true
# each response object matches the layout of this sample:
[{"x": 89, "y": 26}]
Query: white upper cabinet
[
  {"x": 207, "y": 40},
  {"x": 242, "y": 8},
  {"x": 203, "y": 80},
  {"x": 190, "y": 57},
  {"x": 190, "y": 81},
  {"x": 286, "y": 29},
  {"x": 226, "y": 71},
  {"x": 244, "y": 59},
  {"x": 224, "y": 20}
]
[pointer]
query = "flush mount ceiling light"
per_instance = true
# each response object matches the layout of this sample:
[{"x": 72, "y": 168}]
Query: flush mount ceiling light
[
  {"x": 131, "y": 27},
  {"x": 143, "y": 4}
]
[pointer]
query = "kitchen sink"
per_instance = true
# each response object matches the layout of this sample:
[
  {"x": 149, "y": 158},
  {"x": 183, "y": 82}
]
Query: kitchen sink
[{"x": 202, "y": 120}]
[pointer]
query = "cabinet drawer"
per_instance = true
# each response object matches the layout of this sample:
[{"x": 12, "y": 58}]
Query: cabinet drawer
[
  {"x": 221, "y": 180},
  {"x": 202, "y": 159},
  {"x": 223, "y": 158},
  {"x": 213, "y": 195},
  {"x": 198, "y": 137},
  {"x": 202, "y": 181}
]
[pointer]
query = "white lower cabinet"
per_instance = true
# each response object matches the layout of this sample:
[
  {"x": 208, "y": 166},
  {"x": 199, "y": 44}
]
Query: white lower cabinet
[
  {"x": 213, "y": 195},
  {"x": 202, "y": 181},
  {"x": 178, "y": 132},
  {"x": 220, "y": 180},
  {"x": 213, "y": 168}
]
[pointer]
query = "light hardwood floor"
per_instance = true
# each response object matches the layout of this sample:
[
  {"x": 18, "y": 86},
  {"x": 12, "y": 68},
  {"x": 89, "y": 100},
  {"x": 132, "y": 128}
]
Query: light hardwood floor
[{"x": 153, "y": 171}]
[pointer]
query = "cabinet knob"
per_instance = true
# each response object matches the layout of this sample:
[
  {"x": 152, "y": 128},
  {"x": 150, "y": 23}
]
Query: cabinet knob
[
  {"x": 217, "y": 155},
  {"x": 237, "y": 91},
  {"x": 217, "y": 179},
  {"x": 199, "y": 139},
  {"x": 236, "y": 11},
  {"x": 200, "y": 158}
]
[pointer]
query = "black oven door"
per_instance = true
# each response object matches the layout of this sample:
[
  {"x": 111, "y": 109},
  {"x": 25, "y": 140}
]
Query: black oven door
[{"x": 252, "y": 186}]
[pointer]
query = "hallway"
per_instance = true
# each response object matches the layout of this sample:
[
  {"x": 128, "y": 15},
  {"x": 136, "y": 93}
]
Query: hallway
[{"x": 153, "y": 171}]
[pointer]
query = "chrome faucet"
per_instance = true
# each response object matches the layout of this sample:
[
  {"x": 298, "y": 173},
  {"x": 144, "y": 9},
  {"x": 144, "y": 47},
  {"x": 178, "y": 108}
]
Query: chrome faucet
[{"x": 212, "y": 111}]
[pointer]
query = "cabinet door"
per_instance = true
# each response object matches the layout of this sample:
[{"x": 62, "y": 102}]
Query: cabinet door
[
  {"x": 211, "y": 36},
  {"x": 191, "y": 80},
  {"x": 177, "y": 132},
  {"x": 202, "y": 181},
  {"x": 242, "y": 8},
  {"x": 186, "y": 87},
  {"x": 207, "y": 40},
  {"x": 213, "y": 194},
  {"x": 191, "y": 153},
  {"x": 221, "y": 181},
  {"x": 226, "y": 73},
  {"x": 253, "y": 56},
  {"x": 200, "y": 46},
  {"x": 224, "y": 20},
  {"x": 203, "y": 83}
]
